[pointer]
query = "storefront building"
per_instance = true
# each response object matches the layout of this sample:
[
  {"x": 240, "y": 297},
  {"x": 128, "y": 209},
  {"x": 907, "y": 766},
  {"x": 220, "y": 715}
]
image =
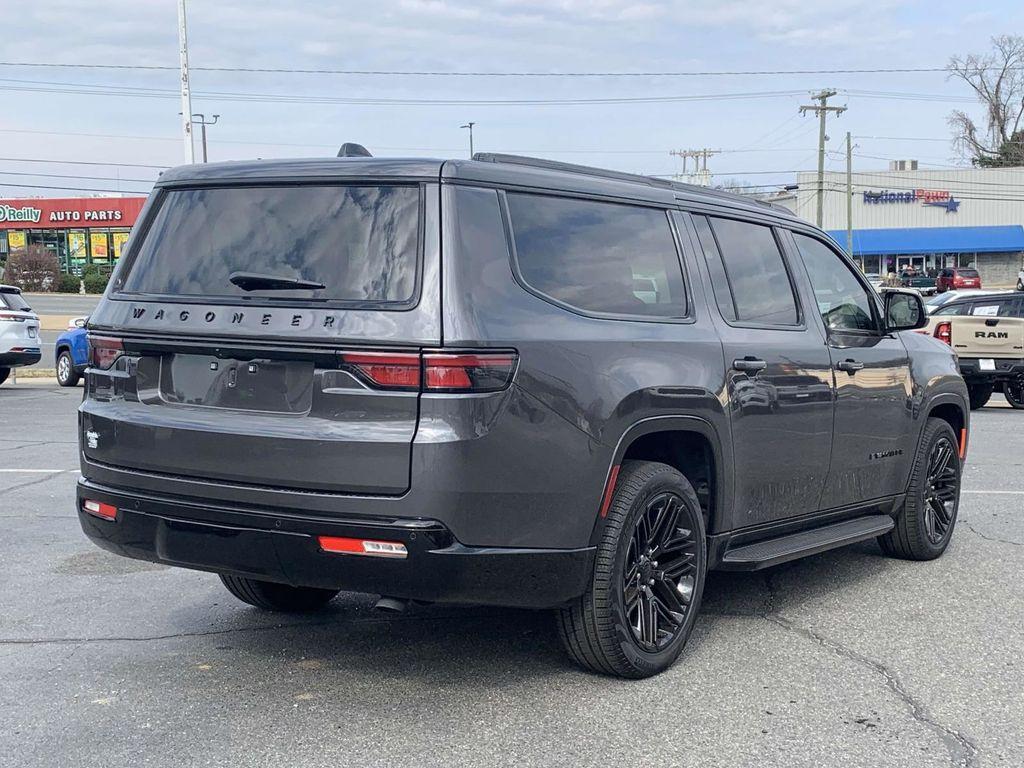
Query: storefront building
[
  {"x": 928, "y": 219},
  {"x": 79, "y": 231}
]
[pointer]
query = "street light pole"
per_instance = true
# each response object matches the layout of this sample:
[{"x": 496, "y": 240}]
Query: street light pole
[
  {"x": 470, "y": 126},
  {"x": 202, "y": 122},
  {"x": 186, "y": 94}
]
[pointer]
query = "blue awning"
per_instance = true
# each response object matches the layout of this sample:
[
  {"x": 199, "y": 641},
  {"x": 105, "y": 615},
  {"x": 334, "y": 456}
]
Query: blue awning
[{"x": 871, "y": 242}]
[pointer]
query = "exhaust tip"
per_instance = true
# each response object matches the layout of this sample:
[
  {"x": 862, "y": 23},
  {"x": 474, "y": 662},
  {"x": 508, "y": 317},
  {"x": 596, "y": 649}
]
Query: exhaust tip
[{"x": 390, "y": 605}]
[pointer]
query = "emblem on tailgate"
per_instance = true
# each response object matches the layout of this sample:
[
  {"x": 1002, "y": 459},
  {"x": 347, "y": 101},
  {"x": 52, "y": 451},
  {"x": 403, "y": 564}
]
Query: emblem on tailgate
[{"x": 991, "y": 335}]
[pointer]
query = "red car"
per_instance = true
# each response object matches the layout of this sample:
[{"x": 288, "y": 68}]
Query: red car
[{"x": 956, "y": 278}]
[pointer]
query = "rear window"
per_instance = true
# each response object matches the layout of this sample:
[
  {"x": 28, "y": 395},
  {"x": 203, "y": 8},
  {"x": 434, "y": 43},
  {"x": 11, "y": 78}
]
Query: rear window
[
  {"x": 13, "y": 301},
  {"x": 967, "y": 272},
  {"x": 360, "y": 242},
  {"x": 600, "y": 257}
]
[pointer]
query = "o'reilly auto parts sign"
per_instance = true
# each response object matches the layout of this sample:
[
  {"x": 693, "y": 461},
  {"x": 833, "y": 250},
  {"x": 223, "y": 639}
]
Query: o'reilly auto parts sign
[{"x": 25, "y": 214}]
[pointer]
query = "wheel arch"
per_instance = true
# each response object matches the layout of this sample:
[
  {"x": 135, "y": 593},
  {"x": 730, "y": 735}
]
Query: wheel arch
[
  {"x": 61, "y": 346},
  {"x": 954, "y": 411},
  {"x": 687, "y": 443}
]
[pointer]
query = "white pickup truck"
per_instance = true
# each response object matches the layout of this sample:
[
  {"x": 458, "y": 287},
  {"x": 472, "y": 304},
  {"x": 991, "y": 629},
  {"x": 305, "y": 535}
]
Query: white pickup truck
[{"x": 990, "y": 349}]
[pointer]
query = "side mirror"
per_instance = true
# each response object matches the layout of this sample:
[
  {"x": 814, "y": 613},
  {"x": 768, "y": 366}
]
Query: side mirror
[
  {"x": 80, "y": 322},
  {"x": 904, "y": 311}
]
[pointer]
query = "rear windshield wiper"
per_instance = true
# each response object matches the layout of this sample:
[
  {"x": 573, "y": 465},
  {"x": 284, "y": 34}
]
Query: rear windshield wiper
[{"x": 252, "y": 281}]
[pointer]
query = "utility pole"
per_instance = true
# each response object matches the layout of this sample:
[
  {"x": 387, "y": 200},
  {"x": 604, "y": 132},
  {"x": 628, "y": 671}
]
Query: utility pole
[
  {"x": 821, "y": 109},
  {"x": 186, "y": 95},
  {"x": 470, "y": 126},
  {"x": 849, "y": 196},
  {"x": 202, "y": 122},
  {"x": 700, "y": 174}
]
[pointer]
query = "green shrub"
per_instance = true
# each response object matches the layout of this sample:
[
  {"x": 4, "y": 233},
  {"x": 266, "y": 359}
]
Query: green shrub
[
  {"x": 68, "y": 283},
  {"x": 95, "y": 283}
]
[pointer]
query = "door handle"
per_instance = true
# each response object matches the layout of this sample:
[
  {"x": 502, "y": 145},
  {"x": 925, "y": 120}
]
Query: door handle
[
  {"x": 749, "y": 364},
  {"x": 850, "y": 366}
]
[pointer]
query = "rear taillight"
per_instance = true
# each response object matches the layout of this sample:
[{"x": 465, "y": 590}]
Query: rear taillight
[
  {"x": 386, "y": 370},
  {"x": 468, "y": 372},
  {"x": 944, "y": 332},
  {"x": 433, "y": 371},
  {"x": 99, "y": 509},
  {"x": 103, "y": 351},
  {"x": 11, "y": 316}
]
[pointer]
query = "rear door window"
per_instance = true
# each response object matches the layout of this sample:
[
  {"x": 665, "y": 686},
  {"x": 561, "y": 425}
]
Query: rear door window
[
  {"x": 753, "y": 267},
  {"x": 605, "y": 258},
  {"x": 359, "y": 242},
  {"x": 1008, "y": 307}
]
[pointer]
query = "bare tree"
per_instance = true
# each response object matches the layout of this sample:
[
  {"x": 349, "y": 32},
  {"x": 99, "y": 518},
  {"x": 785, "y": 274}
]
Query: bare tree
[{"x": 997, "y": 78}]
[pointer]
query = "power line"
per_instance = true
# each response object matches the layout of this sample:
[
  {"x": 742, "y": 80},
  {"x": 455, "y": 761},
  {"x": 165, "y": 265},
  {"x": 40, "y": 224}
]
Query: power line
[
  {"x": 450, "y": 73},
  {"x": 80, "y": 162},
  {"x": 71, "y": 189},
  {"x": 73, "y": 176}
]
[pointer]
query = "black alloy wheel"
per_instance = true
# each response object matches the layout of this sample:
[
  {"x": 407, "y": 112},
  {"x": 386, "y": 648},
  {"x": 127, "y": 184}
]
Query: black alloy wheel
[
  {"x": 644, "y": 597},
  {"x": 925, "y": 524},
  {"x": 941, "y": 489},
  {"x": 660, "y": 572},
  {"x": 1013, "y": 391}
]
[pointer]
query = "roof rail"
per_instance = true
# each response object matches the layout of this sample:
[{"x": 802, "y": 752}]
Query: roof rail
[{"x": 586, "y": 170}]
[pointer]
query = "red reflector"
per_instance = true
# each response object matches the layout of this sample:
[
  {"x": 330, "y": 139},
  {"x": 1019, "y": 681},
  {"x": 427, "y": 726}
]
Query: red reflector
[
  {"x": 387, "y": 370},
  {"x": 371, "y": 547},
  {"x": 944, "y": 332},
  {"x": 103, "y": 351},
  {"x": 609, "y": 490},
  {"x": 99, "y": 509},
  {"x": 477, "y": 372}
]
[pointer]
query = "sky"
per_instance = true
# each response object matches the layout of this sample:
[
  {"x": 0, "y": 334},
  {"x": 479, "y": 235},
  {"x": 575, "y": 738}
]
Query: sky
[{"x": 114, "y": 129}]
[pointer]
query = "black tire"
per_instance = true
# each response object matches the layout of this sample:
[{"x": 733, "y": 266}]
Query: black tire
[
  {"x": 4, "y": 373},
  {"x": 1013, "y": 391},
  {"x": 271, "y": 596},
  {"x": 918, "y": 534},
  {"x": 1020, "y": 285},
  {"x": 67, "y": 376},
  {"x": 597, "y": 628},
  {"x": 979, "y": 394}
]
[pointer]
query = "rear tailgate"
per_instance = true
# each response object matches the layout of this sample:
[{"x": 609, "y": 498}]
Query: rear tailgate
[
  {"x": 260, "y": 386},
  {"x": 987, "y": 337}
]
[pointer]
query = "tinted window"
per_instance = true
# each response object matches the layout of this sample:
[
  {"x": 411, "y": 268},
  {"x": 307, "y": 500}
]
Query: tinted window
[
  {"x": 598, "y": 257},
  {"x": 843, "y": 302},
  {"x": 757, "y": 275},
  {"x": 360, "y": 242},
  {"x": 952, "y": 309},
  {"x": 996, "y": 308},
  {"x": 967, "y": 272},
  {"x": 13, "y": 301}
]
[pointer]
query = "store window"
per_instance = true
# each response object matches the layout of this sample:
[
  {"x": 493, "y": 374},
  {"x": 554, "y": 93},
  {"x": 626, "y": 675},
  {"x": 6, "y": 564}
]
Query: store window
[{"x": 99, "y": 247}]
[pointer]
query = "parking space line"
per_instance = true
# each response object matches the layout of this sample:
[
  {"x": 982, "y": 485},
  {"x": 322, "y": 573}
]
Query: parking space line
[
  {"x": 997, "y": 493},
  {"x": 36, "y": 471}
]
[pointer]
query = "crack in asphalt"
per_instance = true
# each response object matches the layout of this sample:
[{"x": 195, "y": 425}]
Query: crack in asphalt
[
  {"x": 962, "y": 750},
  {"x": 985, "y": 536},
  {"x": 30, "y": 483},
  {"x": 345, "y": 621}
]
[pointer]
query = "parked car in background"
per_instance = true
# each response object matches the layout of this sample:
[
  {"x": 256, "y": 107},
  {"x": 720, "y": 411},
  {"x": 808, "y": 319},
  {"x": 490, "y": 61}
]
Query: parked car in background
[
  {"x": 505, "y": 381},
  {"x": 71, "y": 353},
  {"x": 987, "y": 333},
  {"x": 933, "y": 303},
  {"x": 955, "y": 278},
  {"x": 919, "y": 281},
  {"x": 19, "y": 332}
]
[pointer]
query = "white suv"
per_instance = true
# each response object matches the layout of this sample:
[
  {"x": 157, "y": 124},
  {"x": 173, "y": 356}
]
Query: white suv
[{"x": 19, "y": 332}]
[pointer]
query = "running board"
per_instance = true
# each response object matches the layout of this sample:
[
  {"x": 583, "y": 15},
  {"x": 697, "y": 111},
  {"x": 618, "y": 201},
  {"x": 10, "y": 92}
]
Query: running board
[{"x": 764, "y": 554}]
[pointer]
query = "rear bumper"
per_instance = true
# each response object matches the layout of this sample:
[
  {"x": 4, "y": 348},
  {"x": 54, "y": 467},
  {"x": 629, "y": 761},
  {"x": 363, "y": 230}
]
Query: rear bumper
[
  {"x": 1005, "y": 368},
  {"x": 259, "y": 544},
  {"x": 28, "y": 356}
]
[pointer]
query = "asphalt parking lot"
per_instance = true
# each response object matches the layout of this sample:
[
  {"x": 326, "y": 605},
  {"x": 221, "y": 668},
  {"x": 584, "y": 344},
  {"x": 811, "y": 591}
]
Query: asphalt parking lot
[{"x": 844, "y": 659}]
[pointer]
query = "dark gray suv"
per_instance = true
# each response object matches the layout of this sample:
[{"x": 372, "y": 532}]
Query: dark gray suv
[{"x": 504, "y": 381}]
